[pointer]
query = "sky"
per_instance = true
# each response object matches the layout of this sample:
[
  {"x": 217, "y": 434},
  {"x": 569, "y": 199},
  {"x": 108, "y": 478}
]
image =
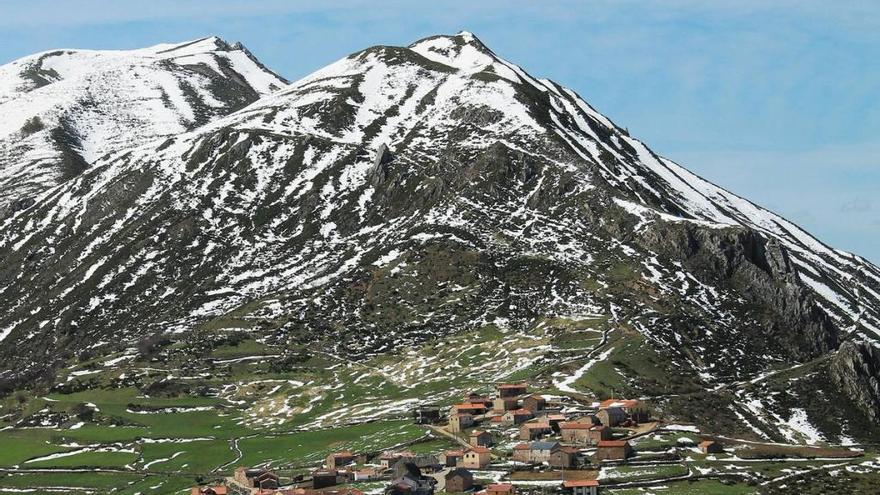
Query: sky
[{"x": 776, "y": 101}]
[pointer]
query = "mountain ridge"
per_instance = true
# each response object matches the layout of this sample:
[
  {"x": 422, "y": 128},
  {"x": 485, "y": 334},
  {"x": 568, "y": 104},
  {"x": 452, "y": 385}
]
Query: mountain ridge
[
  {"x": 410, "y": 194},
  {"x": 66, "y": 108}
]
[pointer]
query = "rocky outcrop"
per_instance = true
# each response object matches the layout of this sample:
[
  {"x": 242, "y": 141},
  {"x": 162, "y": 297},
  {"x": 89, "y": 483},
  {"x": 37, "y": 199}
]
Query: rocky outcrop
[
  {"x": 855, "y": 368},
  {"x": 758, "y": 269}
]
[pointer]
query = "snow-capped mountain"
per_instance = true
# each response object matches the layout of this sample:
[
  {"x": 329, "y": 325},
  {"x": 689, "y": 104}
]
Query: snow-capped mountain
[
  {"x": 400, "y": 195},
  {"x": 64, "y": 109}
]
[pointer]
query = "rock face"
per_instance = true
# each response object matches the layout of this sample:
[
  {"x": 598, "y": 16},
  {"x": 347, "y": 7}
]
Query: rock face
[
  {"x": 856, "y": 370},
  {"x": 403, "y": 195}
]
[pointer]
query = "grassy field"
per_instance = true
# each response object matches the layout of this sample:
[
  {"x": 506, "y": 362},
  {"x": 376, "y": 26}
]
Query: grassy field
[
  {"x": 698, "y": 487},
  {"x": 642, "y": 473}
]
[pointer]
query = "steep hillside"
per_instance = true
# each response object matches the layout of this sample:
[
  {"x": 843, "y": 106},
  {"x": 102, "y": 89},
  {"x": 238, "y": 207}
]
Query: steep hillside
[
  {"x": 64, "y": 109},
  {"x": 403, "y": 196}
]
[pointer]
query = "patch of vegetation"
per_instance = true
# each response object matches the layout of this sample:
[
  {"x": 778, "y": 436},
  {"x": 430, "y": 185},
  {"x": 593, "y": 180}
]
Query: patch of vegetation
[{"x": 32, "y": 125}]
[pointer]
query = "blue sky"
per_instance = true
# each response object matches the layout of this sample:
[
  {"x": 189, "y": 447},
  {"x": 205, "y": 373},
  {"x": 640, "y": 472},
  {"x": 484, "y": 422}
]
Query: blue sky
[{"x": 779, "y": 103}]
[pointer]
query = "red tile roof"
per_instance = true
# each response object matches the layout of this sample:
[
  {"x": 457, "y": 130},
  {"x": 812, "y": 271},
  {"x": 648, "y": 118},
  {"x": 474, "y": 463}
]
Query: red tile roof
[
  {"x": 577, "y": 483},
  {"x": 500, "y": 487},
  {"x": 480, "y": 450},
  {"x": 572, "y": 425},
  {"x": 521, "y": 446},
  {"x": 619, "y": 403},
  {"x": 536, "y": 426},
  {"x": 521, "y": 412},
  {"x": 513, "y": 385},
  {"x": 612, "y": 443}
]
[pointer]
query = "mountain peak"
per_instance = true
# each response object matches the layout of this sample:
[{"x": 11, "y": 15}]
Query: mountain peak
[{"x": 463, "y": 51}]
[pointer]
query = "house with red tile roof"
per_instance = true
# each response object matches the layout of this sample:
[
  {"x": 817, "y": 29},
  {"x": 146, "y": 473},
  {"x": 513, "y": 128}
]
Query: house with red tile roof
[
  {"x": 613, "y": 450},
  {"x": 476, "y": 458},
  {"x": 481, "y": 438},
  {"x": 581, "y": 487},
  {"x": 517, "y": 417}
]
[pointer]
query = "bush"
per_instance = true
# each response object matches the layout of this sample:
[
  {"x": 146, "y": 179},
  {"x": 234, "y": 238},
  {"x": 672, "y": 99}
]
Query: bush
[{"x": 32, "y": 125}]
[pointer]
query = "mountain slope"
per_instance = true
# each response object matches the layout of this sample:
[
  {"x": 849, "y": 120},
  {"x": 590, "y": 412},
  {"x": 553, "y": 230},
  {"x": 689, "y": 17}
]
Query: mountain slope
[
  {"x": 403, "y": 195},
  {"x": 64, "y": 109}
]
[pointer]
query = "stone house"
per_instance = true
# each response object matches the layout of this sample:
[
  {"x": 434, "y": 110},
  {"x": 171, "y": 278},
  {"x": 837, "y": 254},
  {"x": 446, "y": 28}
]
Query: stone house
[
  {"x": 613, "y": 450},
  {"x": 711, "y": 447},
  {"x": 555, "y": 420},
  {"x": 255, "y": 478},
  {"x": 581, "y": 487},
  {"x": 473, "y": 409},
  {"x": 460, "y": 421},
  {"x": 451, "y": 458},
  {"x": 323, "y": 478},
  {"x": 426, "y": 463},
  {"x": 339, "y": 459},
  {"x": 459, "y": 480},
  {"x": 516, "y": 417},
  {"x": 512, "y": 389},
  {"x": 575, "y": 433},
  {"x": 387, "y": 459},
  {"x": 534, "y": 403},
  {"x": 481, "y": 438},
  {"x": 531, "y": 431},
  {"x": 564, "y": 457},
  {"x": 599, "y": 433},
  {"x": 535, "y": 452},
  {"x": 612, "y": 416},
  {"x": 500, "y": 489},
  {"x": 502, "y": 404},
  {"x": 475, "y": 398},
  {"x": 411, "y": 482},
  {"x": 426, "y": 415},
  {"x": 476, "y": 458},
  {"x": 636, "y": 410}
]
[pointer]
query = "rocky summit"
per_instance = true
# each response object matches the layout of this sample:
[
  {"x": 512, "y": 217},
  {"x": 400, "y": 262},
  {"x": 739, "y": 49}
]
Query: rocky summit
[{"x": 401, "y": 212}]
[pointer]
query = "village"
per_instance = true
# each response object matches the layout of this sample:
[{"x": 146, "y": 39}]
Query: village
[{"x": 512, "y": 441}]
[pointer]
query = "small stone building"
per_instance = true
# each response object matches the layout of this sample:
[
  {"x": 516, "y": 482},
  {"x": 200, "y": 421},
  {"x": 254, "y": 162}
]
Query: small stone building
[
  {"x": 480, "y": 438},
  {"x": 339, "y": 459},
  {"x": 426, "y": 415},
  {"x": 255, "y": 478},
  {"x": 323, "y": 478},
  {"x": 613, "y": 450},
  {"x": 476, "y": 458},
  {"x": 564, "y": 458},
  {"x": 512, "y": 389},
  {"x": 711, "y": 447},
  {"x": 575, "y": 433},
  {"x": 501, "y": 489},
  {"x": 502, "y": 404},
  {"x": 612, "y": 416},
  {"x": 516, "y": 417},
  {"x": 581, "y": 487},
  {"x": 459, "y": 480},
  {"x": 532, "y": 431},
  {"x": 534, "y": 403},
  {"x": 460, "y": 421},
  {"x": 451, "y": 458}
]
